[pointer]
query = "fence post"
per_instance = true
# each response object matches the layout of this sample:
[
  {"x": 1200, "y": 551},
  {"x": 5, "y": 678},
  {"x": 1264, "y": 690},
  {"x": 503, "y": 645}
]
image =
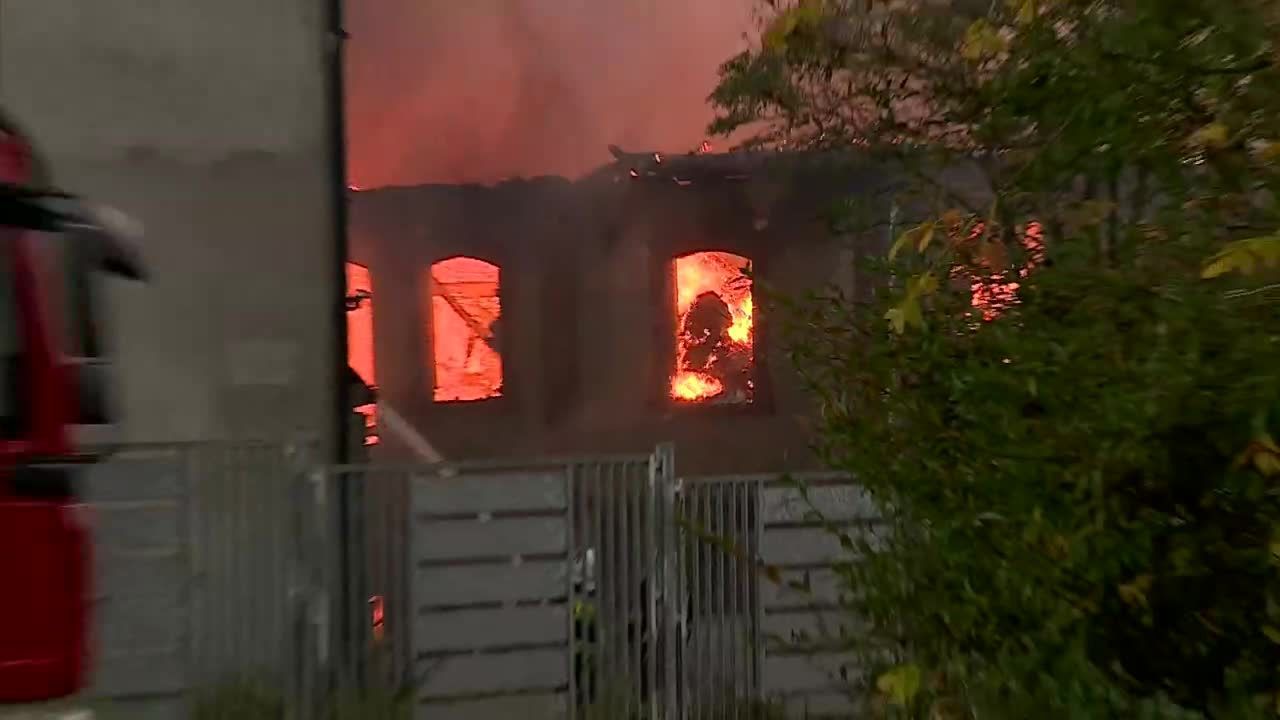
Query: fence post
[
  {"x": 662, "y": 492},
  {"x": 316, "y": 625}
]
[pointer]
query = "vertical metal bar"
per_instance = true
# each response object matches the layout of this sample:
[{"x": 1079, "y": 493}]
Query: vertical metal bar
[
  {"x": 621, "y": 594},
  {"x": 692, "y": 582},
  {"x": 571, "y": 596},
  {"x": 671, "y": 586},
  {"x": 244, "y": 652},
  {"x": 722, "y": 530},
  {"x": 407, "y": 566},
  {"x": 231, "y": 506},
  {"x": 679, "y": 500},
  {"x": 617, "y": 590},
  {"x": 622, "y": 487},
  {"x": 190, "y": 536},
  {"x": 608, "y": 572},
  {"x": 700, "y": 583},
  {"x": 735, "y": 590},
  {"x": 265, "y": 498},
  {"x": 254, "y": 495},
  {"x": 276, "y": 529},
  {"x": 757, "y": 604},
  {"x": 635, "y": 561},
  {"x": 654, "y": 564},
  {"x": 604, "y": 578},
  {"x": 598, "y": 610}
]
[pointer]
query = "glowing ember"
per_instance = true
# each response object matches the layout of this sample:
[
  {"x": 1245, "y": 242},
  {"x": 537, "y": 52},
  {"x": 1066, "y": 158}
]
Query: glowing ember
[
  {"x": 714, "y": 339},
  {"x": 689, "y": 385},
  {"x": 465, "y": 318}
]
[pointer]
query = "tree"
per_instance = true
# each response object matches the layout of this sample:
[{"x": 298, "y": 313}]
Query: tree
[{"x": 1083, "y": 483}]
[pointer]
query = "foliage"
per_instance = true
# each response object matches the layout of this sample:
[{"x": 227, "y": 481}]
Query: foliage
[{"x": 1082, "y": 476}]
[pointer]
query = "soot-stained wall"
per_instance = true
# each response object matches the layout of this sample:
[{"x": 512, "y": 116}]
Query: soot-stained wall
[{"x": 588, "y": 325}]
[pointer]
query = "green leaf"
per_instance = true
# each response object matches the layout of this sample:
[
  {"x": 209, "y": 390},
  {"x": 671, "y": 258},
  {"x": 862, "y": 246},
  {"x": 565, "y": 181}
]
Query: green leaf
[
  {"x": 923, "y": 285},
  {"x": 897, "y": 318},
  {"x": 1245, "y": 257},
  {"x": 1213, "y": 135},
  {"x": 806, "y": 14},
  {"x": 1026, "y": 11},
  {"x": 919, "y": 235},
  {"x": 900, "y": 684},
  {"x": 926, "y": 236},
  {"x": 982, "y": 40}
]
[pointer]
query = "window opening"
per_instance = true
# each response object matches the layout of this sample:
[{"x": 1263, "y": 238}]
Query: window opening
[
  {"x": 715, "y": 339},
  {"x": 360, "y": 352},
  {"x": 465, "y": 330}
]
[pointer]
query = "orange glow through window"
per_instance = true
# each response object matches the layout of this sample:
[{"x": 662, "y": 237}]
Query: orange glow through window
[
  {"x": 715, "y": 340},
  {"x": 465, "y": 316},
  {"x": 360, "y": 342}
]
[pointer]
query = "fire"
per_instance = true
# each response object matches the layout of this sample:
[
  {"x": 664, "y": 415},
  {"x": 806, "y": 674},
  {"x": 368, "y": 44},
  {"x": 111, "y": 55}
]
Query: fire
[
  {"x": 360, "y": 342},
  {"x": 690, "y": 385},
  {"x": 992, "y": 294},
  {"x": 360, "y": 324},
  {"x": 465, "y": 315},
  {"x": 714, "y": 332}
]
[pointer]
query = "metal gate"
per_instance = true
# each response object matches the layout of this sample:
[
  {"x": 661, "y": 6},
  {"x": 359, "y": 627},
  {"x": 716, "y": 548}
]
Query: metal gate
[
  {"x": 596, "y": 588},
  {"x": 496, "y": 589}
]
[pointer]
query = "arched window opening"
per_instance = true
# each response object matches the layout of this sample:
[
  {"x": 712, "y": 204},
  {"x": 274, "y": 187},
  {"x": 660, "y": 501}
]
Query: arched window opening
[
  {"x": 360, "y": 354},
  {"x": 465, "y": 318},
  {"x": 715, "y": 339}
]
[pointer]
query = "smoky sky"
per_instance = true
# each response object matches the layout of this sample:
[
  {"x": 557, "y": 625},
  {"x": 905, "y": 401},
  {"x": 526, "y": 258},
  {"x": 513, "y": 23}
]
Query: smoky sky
[{"x": 483, "y": 90}]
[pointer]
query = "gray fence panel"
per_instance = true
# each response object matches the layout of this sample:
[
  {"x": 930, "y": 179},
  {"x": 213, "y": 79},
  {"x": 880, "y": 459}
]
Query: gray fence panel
[
  {"x": 196, "y": 571},
  {"x": 768, "y": 614},
  {"x": 594, "y": 588},
  {"x": 489, "y": 588},
  {"x": 137, "y": 518}
]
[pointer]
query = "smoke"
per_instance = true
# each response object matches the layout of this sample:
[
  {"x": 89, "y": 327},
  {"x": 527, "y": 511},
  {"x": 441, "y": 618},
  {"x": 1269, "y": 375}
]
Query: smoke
[{"x": 482, "y": 90}]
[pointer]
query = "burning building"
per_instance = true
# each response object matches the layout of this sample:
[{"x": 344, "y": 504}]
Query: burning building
[{"x": 544, "y": 316}]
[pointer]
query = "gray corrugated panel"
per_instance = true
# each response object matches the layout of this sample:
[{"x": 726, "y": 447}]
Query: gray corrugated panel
[
  {"x": 830, "y": 503},
  {"x": 804, "y": 672},
  {"x": 503, "y": 582},
  {"x": 139, "y": 674},
  {"x": 489, "y": 492},
  {"x": 133, "y": 622},
  {"x": 491, "y": 627},
  {"x": 525, "y": 707},
  {"x": 484, "y": 537},
  {"x": 508, "y": 672}
]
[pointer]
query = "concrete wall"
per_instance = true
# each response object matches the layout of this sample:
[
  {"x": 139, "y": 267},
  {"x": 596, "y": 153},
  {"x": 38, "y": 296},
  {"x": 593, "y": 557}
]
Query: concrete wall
[
  {"x": 588, "y": 330},
  {"x": 208, "y": 121}
]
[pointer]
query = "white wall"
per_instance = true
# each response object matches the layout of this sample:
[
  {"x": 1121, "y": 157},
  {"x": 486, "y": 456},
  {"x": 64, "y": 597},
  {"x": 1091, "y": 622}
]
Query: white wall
[{"x": 209, "y": 121}]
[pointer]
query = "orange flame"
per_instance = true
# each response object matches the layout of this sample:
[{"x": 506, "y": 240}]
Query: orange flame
[
  {"x": 690, "y": 385},
  {"x": 465, "y": 311},
  {"x": 721, "y": 275}
]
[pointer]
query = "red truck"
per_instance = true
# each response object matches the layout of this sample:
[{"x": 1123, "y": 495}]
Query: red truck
[{"x": 53, "y": 384}]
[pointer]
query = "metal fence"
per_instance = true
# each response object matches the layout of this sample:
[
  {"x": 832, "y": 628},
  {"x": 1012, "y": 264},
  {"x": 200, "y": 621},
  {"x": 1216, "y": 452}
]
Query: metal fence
[
  {"x": 603, "y": 588},
  {"x": 495, "y": 589},
  {"x": 585, "y": 588},
  {"x": 774, "y": 622},
  {"x": 202, "y": 578}
]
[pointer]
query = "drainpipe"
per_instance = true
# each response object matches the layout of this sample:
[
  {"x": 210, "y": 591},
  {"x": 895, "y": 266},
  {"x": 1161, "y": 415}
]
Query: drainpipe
[
  {"x": 349, "y": 577},
  {"x": 338, "y": 148}
]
